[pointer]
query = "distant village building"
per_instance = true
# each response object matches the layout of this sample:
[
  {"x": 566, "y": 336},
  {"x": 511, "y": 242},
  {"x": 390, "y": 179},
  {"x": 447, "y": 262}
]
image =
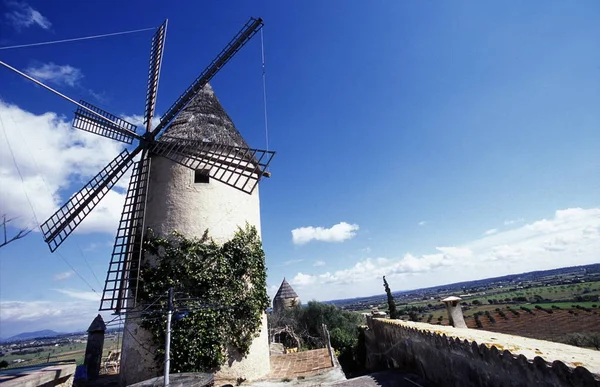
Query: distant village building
[{"x": 285, "y": 298}]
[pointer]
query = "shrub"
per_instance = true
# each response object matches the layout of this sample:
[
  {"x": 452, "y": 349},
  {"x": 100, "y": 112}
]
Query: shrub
[{"x": 584, "y": 340}]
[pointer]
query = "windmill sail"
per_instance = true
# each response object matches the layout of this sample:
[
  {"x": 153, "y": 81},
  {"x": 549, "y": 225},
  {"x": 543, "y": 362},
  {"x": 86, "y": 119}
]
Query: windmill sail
[
  {"x": 156, "y": 53},
  {"x": 243, "y": 36},
  {"x": 124, "y": 264},
  {"x": 60, "y": 225},
  {"x": 89, "y": 122},
  {"x": 241, "y": 168}
]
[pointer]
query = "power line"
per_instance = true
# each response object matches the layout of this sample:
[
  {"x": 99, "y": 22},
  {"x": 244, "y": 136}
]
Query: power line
[{"x": 75, "y": 39}]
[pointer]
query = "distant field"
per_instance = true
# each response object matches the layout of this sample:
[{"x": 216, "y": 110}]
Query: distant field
[
  {"x": 565, "y": 318},
  {"x": 540, "y": 325},
  {"x": 74, "y": 351}
]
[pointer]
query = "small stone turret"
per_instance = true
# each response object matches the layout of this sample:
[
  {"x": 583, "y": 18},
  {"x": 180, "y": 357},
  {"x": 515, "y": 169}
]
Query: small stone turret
[
  {"x": 93, "y": 349},
  {"x": 285, "y": 298}
]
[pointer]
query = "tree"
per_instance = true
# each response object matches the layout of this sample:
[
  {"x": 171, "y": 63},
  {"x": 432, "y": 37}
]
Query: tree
[
  {"x": 390, "y": 300},
  {"x": 22, "y": 233}
]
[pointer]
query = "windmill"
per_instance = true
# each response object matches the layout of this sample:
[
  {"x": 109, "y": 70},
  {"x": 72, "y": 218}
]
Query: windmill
[{"x": 233, "y": 164}]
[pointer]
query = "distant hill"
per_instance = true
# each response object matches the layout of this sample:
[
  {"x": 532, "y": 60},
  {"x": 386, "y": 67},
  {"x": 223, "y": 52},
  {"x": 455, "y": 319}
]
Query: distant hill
[
  {"x": 458, "y": 286},
  {"x": 32, "y": 335}
]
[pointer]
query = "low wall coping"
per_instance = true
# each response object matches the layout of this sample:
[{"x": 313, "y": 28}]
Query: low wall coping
[
  {"x": 33, "y": 376},
  {"x": 517, "y": 345}
]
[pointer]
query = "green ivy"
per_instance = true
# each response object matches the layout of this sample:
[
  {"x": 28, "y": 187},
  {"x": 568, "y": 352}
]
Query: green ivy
[{"x": 222, "y": 288}]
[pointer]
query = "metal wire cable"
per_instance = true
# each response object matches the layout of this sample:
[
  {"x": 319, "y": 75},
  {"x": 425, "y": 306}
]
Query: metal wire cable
[
  {"x": 18, "y": 169},
  {"x": 264, "y": 82},
  {"x": 88, "y": 265},
  {"x": 75, "y": 39},
  {"x": 31, "y": 204}
]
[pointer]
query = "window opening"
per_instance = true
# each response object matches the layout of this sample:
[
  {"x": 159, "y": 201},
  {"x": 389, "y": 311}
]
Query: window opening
[{"x": 201, "y": 176}]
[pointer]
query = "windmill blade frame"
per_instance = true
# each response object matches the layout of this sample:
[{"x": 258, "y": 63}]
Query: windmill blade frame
[
  {"x": 126, "y": 257},
  {"x": 239, "y": 40},
  {"x": 239, "y": 167},
  {"x": 156, "y": 54},
  {"x": 66, "y": 219},
  {"x": 84, "y": 120}
]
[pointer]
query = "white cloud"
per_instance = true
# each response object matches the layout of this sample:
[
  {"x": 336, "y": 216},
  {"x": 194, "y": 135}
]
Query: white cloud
[
  {"x": 57, "y": 74},
  {"x": 63, "y": 276},
  {"x": 23, "y": 16},
  {"x": 337, "y": 233},
  {"x": 53, "y": 160},
  {"x": 137, "y": 119},
  {"x": 319, "y": 263},
  {"x": 87, "y": 296},
  {"x": 509, "y": 222},
  {"x": 303, "y": 279},
  {"x": 570, "y": 237},
  {"x": 366, "y": 250},
  {"x": 422, "y": 223},
  {"x": 67, "y": 316},
  {"x": 491, "y": 231}
]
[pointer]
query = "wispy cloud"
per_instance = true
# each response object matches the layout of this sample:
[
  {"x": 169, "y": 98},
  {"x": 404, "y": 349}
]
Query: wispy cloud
[
  {"x": 21, "y": 15},
  {"x": 64, "y": 75},
  {"x": 422, "y": 223},
  {"x": 292, "y": 261},
  {"x": 508, "y": 222},
  {"x": 87, "y": 296},
  {"x": 336, "y": 233},
  {"x": 491, "y": 231},
  {"x": 96, "y": 245},
  {"x": 63, "y": 276},
  {"x": 65, "y": 316},
  {"x": 319, "y": 263}
]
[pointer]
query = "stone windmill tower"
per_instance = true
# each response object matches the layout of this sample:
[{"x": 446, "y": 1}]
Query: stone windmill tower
[
  {"x": 191, "y": 202},
  {"x": 192, "y": 172}
]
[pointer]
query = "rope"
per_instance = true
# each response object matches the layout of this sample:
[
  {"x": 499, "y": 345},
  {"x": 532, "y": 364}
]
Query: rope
[
  {"x": 75, "y": 39},
  {"x": 264, "y": 82}
]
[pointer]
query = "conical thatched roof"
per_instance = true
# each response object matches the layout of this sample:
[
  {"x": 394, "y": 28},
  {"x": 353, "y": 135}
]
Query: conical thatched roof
[
  {"x": 205, "y": 119},
  {"x": 286, "y": 291}
]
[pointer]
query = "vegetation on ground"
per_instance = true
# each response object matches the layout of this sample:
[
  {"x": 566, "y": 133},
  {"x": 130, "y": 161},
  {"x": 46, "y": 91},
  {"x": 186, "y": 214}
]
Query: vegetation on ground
[{"x": 306, "y": 323}]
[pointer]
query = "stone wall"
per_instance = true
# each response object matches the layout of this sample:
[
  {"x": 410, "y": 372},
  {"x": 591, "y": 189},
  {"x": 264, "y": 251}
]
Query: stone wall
[
  {"x": 54, "y": 375},
  {"x": 449, "y": 356}
]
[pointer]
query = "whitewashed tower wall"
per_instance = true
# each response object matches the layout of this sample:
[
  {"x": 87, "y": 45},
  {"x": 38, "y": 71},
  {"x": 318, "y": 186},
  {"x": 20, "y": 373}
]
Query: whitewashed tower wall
[{"x": 176, "y": 202}]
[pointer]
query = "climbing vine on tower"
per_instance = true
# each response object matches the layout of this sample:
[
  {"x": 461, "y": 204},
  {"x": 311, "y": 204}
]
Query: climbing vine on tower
[{"x": 220, "y": 296}]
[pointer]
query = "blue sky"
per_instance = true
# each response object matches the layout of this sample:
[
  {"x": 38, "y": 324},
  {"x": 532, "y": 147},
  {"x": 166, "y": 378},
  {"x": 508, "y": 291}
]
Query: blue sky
[{"x": 431, "y": 142}]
